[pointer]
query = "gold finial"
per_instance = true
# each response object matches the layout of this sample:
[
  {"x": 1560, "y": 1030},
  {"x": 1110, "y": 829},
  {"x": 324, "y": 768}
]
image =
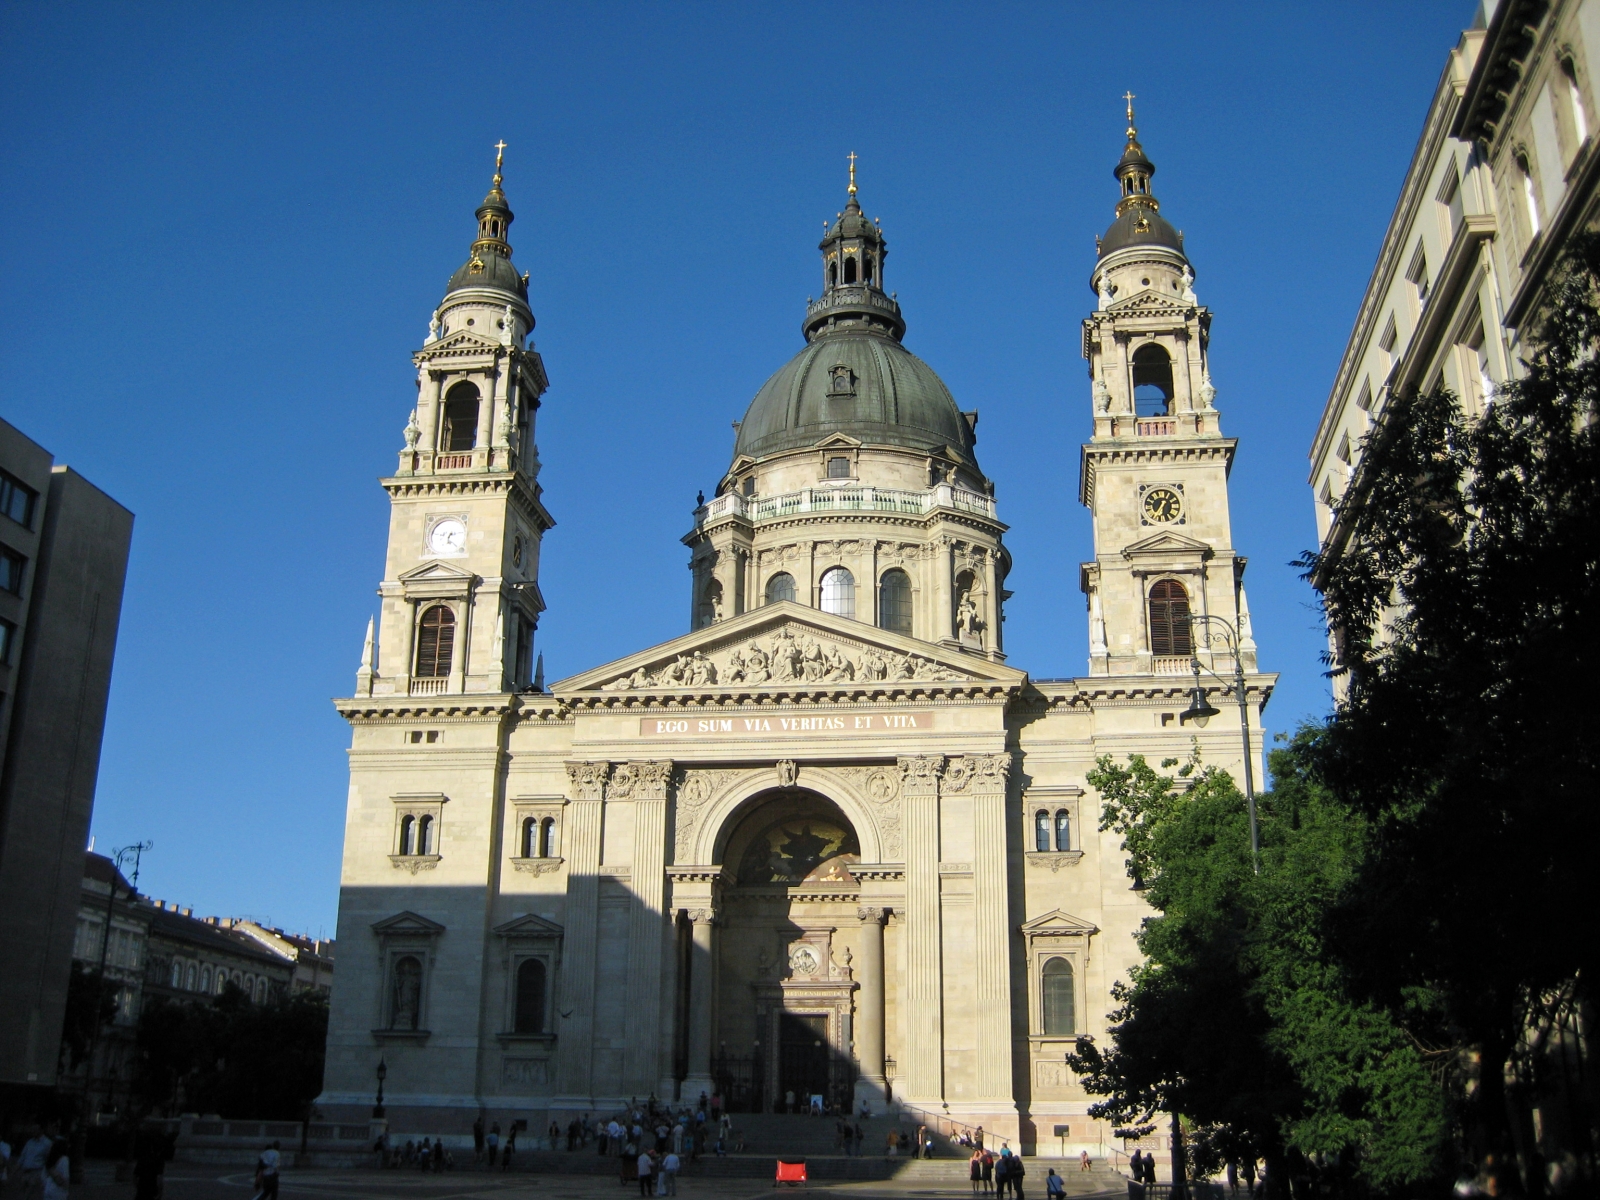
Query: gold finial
[
  {"x": 852, "y": 157},
  {"x": 499, "y": 159},
  {"x": 1130, "y": 97}
]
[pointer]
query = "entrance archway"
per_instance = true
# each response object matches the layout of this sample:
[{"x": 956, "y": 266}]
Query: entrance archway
[{"x": 788, "y": 940}]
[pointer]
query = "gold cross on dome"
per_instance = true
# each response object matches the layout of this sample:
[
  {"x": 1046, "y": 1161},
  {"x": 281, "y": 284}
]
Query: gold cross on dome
[
  {"x": 852, "y": 157},
  {"x": 499, "y": 153}
]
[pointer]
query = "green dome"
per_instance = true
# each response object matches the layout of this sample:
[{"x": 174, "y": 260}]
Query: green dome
[
  {"x": 492, "y": 271},
  {"x": 889, "y": 397}
]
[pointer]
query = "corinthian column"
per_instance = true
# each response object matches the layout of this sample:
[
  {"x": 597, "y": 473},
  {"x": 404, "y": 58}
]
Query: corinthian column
[
  {"x": 649, "y": 782},
  {"x": 871, "y": 1086},
  {"x": 924, "y": 1022},
  {"x": 993, "y": 929},
  {"x": 581, "y": 847},
  {"x": 698, "y": 1078}
]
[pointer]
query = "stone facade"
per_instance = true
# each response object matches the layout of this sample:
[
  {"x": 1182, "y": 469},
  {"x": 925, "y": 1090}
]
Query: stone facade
[{"x": 828, "y": 841}]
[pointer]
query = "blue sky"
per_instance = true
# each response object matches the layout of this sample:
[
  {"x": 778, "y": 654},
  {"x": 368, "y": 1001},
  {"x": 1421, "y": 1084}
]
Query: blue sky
[{"x": 226, "y": 226}]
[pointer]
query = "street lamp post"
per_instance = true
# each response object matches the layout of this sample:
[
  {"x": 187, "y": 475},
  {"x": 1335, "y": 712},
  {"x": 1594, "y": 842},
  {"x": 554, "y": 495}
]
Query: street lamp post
[
  {"x": 383, "y": 1073},
  {"x": 1200, "y": 712}
]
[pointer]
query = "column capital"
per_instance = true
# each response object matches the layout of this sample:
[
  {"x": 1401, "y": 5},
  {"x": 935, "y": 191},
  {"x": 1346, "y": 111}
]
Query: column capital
[
  {"x": 588, "y": 779},
  {"x": 703, "y": 916},
  {"x": 872, "y": 916},
  {"x": 976, "y": 773},
  {"x": 919, "y": 775},
  {"x": 640, "y": 780}
]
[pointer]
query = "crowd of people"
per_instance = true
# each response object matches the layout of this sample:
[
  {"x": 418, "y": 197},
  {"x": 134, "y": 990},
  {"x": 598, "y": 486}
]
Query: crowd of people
[{"x": 40, "y": 1164}]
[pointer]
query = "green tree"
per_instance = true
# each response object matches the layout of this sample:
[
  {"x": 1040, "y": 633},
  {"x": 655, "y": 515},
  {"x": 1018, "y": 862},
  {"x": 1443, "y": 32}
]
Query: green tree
[
  {"x": 1236, "y": 1019},
  {"x": 1464, "y": 599}
]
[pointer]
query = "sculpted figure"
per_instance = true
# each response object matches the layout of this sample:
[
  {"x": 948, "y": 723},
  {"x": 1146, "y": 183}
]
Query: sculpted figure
[
  {"x": 1103, "y": 286},
  {"x": 1188, "y": 286},
  {"x": 413, "y": 431},
  {"x": 756, "y": 665},
  {"x": 702, "y": 670},
  {"x": 967, "y": 615},
  {"x": 785, "y": 657},
  {"x": 838, "y": 666},
  {"x": 812, "y": 664},
  {"x": 433, "y": 326},
  {"x": 736, "y": 668},
  {"x": 906, "y": 668},
  {"x": 873, "y": 665}
]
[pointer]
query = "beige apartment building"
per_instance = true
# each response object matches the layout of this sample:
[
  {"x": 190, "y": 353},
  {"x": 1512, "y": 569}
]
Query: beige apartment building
[
  {"x": 1502, "y": 177},
  {"x": 829, "y": 841}
]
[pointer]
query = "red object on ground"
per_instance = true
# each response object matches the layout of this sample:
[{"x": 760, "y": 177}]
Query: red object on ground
[{"x": 791, "y": 1172}]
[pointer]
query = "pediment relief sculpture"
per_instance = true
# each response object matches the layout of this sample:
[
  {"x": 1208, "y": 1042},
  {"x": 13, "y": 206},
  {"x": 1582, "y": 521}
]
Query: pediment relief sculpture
[{"x": 786, "y": 657}]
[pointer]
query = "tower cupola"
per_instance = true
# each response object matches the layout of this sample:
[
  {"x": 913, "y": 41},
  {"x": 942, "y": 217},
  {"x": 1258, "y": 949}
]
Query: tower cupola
[
  {"x": 1139, "y": 221},
  {"x": 489, "y": 263},
  {"x": 853, "y": 252}
]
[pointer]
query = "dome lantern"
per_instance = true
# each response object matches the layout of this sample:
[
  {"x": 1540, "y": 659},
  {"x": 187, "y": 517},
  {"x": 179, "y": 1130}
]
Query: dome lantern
[
  {"x": 853, "y": 251},
  {"x": 1139, "y": 221},
  {"x": 489, "y": 263}
]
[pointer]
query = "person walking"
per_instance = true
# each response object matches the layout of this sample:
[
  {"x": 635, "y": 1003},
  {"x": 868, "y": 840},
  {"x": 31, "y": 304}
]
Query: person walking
[
  {"x": 670, "y": 1166},
  {"x": 1017, "y": 1172},
  {"x": 922, "y": 1136},
  {"x": 31, "y": 1163},
  {"x": 1136, "y": 1167},
  {"x": 1149, "y": 1168},
  {"x": 1083, "y": 1160},
  {"x": 491, "y": 1144},
  {"x": 267, "y": 1173},
  {"x": 988, "y": 1170},
  {"x": 975, "y": 1171},
  {"x": 646, "y": 1173}
]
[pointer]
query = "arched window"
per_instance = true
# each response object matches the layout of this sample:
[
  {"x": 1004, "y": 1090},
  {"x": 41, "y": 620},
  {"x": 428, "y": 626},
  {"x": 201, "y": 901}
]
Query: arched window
[
  {"x": 408, "y": 830},
  {"x": 547, "y": 839},
  {"x": 222, "y": 982},
  {"x": 530, "y": 838},
  {"x": 425, "y": 835},
  {"x": 1169, "y": 619},
  {"x": 205, "y": 980},
  {"x": 1041, "y": 831},
  {"x": 177, "y": 974},
  {"x": 530, "y": 996},
  {"x": 866, "y": 269},
  {"x": 261, "y": 991},
  {"x": 849, "y": 268},
  {"x": 839, "y": 593},
  {"x": 1530, "y": 198},
  {"x": 1152, "y": 381},
  {"x": 191, "y": 977},
  {"x": 894, "y": 601},
  {"x": 1580, "y": 120},
  {"x": 1063, "y": 830},
  {"x": 780, "y": 587},
  {"x": 833, "y": 274},
  {"x": 460, "y": 430},
  {"x": 711, "y": 604},
  {"x": 1060, "y": 1006},
  {"x": 405, "y": 994},
  {"x": 436, "y": 639}
]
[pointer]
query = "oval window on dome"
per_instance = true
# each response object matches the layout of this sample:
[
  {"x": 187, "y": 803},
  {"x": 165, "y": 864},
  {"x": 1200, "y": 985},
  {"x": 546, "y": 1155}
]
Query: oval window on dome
[{"x": 839, "y": 593}]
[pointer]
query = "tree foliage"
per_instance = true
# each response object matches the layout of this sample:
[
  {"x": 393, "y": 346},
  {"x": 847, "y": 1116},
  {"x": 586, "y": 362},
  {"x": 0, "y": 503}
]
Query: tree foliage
[
  {"x": 232, "y": 1057},
  {"x": 1464, "y": 594},
  {"x": 1237, "y": 1019},
  {"x": 91, "y": 1003}
]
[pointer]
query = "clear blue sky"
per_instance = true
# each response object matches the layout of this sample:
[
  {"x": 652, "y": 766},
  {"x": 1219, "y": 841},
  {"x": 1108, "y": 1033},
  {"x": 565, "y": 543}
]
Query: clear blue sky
[{"x": 227, "y": 224}]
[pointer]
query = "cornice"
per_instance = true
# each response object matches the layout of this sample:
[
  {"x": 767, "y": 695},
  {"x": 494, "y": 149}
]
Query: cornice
[
  {"x": 467, "y": 706},
  {"x": 798, "y": 694},
  {"x": 926, "y": 522}
]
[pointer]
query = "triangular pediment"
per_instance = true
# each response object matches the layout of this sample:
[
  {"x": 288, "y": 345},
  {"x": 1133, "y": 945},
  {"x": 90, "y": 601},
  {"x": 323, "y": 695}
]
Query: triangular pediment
[
  {"x": 842, "y": 441},
  {"x": 407, "y": 923},
  {"x": 434, "y": 569},
  {"x": 462, "y": 341},
  {"x": 1167, "y": 543},
  {"x": 529, "y": 925},
  {"x": 1059, "y": 924},
  {"x": 788, "y": 647},
  {"x": 1148, "y": 301}
]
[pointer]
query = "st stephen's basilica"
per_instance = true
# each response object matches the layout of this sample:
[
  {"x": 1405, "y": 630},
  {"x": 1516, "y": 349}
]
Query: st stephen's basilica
[{"x": 829, "y": 841}]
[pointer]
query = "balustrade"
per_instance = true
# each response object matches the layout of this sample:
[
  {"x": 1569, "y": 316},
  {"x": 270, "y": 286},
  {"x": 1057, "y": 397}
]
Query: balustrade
[
  {"x": 429, "y": 687},
  {"x": 757, "y": 509}
]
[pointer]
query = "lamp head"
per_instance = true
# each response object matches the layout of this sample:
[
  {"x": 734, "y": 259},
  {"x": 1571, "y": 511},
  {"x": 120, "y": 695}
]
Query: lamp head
[
  {"x": 383, "y": 1070},
  {"x": 1199, "y": 710}
]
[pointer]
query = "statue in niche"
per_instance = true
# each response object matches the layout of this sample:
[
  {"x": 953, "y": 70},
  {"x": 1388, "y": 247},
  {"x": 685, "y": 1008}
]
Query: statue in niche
[
  {"x": 967, "y": 616},
  {"x": 787, "y": 771},
  {"x": 407, "y": 994},
  {"x": 1102, "y": 396}
]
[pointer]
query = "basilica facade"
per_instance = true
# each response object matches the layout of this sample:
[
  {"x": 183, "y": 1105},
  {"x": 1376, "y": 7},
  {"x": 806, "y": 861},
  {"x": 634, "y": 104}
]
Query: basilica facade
[{"x": 830, "y": 841}]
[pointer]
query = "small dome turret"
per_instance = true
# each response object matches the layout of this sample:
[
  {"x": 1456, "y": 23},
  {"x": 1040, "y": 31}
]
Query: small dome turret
[
  {"x": 1139, "y": 221},
  {"x": 489, "y": 264}
]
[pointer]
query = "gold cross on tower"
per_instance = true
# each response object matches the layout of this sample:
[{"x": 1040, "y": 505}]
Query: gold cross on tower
[
  {"x": 1129, "y": 97},
  {"x": 499, "y": 155},
  {"x": 852, "y": 157}
]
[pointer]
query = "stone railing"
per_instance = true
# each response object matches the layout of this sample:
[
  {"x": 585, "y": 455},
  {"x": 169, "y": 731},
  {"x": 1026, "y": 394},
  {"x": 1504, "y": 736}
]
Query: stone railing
[
  {"x": 1159, "y": 427},
  {"x": 1170, "y": 664},
  {"x": 429, "y": 687},
  {"x": 757, "y": 509}
]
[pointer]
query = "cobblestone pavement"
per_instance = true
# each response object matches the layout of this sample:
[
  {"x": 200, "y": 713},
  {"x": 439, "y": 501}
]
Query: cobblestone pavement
[{"x": 198, "y": 1181}]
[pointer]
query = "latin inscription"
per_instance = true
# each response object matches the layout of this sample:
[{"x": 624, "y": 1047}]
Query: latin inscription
[{"x": 848, "y": 725}]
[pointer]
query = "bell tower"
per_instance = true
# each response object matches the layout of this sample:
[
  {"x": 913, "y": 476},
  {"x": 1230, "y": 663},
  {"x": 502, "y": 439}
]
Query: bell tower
[
  {"x": 460, "y": 596},
  {"x": 1155, "y": 472}
]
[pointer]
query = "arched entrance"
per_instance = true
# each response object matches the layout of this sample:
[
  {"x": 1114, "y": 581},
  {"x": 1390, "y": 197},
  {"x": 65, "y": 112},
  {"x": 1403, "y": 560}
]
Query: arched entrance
[{"x": 786, "y": 987}]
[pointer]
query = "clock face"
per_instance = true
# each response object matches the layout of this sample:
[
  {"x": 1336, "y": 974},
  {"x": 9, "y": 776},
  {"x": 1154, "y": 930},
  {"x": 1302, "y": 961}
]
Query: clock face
[
  {"x": 448, "y": 536},
  {"x": 1162, "y": 506}
]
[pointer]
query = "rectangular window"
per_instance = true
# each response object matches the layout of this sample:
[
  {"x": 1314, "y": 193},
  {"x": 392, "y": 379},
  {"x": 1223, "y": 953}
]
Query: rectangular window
[
  {"x": 838, "y": 468},
  {"x": 17, "y": 500},
  {"x": 1450, "y": 203},
  {"x": 1477, "y": 358},
  {"x": 8, "y": 635},
  {"x": 1417, "y": 273},
  {"x": 11, "y": 566},
  {"x": 1364, "y": 396}
]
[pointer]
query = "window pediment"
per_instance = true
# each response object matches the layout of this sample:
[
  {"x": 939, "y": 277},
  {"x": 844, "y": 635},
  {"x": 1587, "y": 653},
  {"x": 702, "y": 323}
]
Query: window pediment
[
  {"x": 530, "y": 925},
  {"x": 407, "y": 924},
  {"x": 1170, "y": 546},
  {"x": 1058, "y": 924}
]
